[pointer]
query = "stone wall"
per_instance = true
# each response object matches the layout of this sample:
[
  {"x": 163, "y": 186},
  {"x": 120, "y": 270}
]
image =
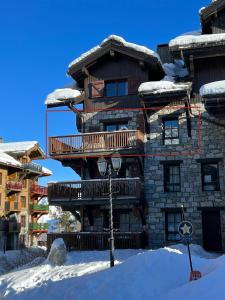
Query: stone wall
[{"x": 212, "y": 145}]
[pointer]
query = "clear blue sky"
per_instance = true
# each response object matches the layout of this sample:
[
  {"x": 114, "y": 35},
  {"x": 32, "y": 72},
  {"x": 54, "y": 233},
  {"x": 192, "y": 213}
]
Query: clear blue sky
[{"x": 38, "y": 38}]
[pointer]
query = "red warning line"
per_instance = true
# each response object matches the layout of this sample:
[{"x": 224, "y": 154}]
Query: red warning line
[{"x": 181, "y": 153}]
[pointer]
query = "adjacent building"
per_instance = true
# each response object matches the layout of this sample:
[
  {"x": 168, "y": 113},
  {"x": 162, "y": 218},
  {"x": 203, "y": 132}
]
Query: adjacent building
[
  {"x": 164, "y": 114},
  {"x": 20, "y": 193}
]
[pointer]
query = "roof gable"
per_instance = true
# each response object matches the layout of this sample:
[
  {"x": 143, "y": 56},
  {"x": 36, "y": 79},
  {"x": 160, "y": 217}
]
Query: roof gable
[
  {"x": 19, "y": 149},
  {"x": 117, "y": 44}
]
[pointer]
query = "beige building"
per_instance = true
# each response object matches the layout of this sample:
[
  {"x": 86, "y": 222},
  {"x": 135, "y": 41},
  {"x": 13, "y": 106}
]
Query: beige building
[{"x": 20, "y": 194}]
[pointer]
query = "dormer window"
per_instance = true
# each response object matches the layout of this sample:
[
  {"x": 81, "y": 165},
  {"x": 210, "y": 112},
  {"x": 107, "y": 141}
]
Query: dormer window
[{"x": 116, "y": 88}]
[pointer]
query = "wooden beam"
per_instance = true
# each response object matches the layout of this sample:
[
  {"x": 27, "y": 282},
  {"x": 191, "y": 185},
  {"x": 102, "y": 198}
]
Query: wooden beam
[{"x": 85, "y": 71}]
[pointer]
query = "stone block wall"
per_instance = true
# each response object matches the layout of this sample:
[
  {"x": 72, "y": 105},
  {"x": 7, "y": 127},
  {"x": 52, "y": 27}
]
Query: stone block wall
[{"x": 191, "y": 196}]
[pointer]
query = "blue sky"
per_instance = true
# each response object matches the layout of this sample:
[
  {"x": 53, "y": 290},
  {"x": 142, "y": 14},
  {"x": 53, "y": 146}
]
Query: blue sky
[{"x": 39, "y": 38}]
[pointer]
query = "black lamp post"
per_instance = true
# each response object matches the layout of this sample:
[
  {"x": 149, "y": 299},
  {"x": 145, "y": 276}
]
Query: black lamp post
[{"x": 105, "y": 167}]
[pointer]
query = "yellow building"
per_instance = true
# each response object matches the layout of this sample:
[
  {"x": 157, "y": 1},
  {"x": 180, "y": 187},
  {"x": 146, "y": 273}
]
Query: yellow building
[{"x": 20, "y": 193}]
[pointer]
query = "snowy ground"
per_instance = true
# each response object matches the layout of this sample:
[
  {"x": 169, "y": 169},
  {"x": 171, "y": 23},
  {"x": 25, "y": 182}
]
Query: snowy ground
[{"x": 161, "y": 274}]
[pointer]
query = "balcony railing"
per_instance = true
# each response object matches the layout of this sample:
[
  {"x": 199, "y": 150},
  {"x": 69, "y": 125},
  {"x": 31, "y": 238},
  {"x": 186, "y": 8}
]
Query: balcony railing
[
  {"x": 99, "y": 240},
  {"x": 39, "y": 226},
  {"x": 41, "y": 190},
  {"x": 96, "y": 142},
  {"x": 96, "y": 189},
  {"x": 33, "y": 167},
  {"x": 14, "y": 185},
  {"x": 39, "y": 207}
]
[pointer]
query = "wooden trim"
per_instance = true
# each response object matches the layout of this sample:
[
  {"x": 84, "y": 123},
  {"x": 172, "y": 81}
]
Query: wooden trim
[
  {"x": 209, "y": 160},
  {"x": 171, "y": 162}
]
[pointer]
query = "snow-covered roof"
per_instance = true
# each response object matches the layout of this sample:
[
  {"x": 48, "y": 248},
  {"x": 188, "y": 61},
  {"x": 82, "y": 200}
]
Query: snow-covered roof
[
  {"x": 60, "y": 96},
  {"x": 119, "y": 40},
  {"x": 18, "y": 147},
  {"x": 46, "y": 171},
  {"x": 160, "y": 87},
  {"x": 6, "y": 159},
  {"x": 188, "y": 41},
  {"x": 213, "y": 88}
]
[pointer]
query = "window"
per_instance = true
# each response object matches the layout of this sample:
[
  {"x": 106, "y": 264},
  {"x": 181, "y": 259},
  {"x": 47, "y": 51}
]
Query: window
[
  {"x": 23, "y": 221},
  {"x": 116, "y": 126},
  {"x": 171, "y": 131},
  {"x": 210, "y": 177},
  {"x": 172, "y": 220},
  {"x": 23, "y": 201},
  {"x": 172, "y": 178},
  {"x": 24, "y": 182},
  {"x": 116, "y": 88},
  {"x": 0, "y": 199},
  {"x": 0, "y": 178}
]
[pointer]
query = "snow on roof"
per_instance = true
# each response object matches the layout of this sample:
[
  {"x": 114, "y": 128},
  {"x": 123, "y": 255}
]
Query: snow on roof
[
  {"x": 46, "y": 171},
  {"x": 194, "y": 41},
  {"x": 61, "y": 95},
  {"x": 213, "y": 88},
  {"x": 9, "y": 160},
  {"x": 163, "y": 86},
  {"x": 17, "y": 147},
  {"x": 119, "y": 40}
]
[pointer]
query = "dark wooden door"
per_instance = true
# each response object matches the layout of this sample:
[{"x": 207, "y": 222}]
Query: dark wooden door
[{"x": 211, "y": 229}]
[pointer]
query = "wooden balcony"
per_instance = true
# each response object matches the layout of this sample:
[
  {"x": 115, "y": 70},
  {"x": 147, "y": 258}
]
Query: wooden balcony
[
  {"x": 39, "y": 190},
  {"x": 39, "y": 208},
  {"x": 98, "y": 240},
  {"x": 14, "y": 186},
  {"x": 39, "y": 227},
  {"x": 94, "y": 191},
  {"x": 96, "y": 143}
]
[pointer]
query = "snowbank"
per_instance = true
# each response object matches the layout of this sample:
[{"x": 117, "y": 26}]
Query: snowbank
[
  {"x": 120, "y": 41},
  {"x": 61, "y": 95},
  {"x": 213, "y": 88},
  {"x": 195, "y": 41},
  {"x": 160, "y": 274}
]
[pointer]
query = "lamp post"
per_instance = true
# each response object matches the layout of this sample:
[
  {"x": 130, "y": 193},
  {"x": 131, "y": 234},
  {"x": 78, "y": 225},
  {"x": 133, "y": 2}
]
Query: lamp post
[{"x": 105, "y": 167}]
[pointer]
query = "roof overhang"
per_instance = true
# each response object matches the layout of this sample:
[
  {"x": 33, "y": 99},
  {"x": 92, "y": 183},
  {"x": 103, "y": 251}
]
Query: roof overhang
[{"x": 212, "y": 9}]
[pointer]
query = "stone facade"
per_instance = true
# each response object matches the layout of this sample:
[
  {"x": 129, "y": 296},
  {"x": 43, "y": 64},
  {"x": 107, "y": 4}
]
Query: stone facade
[{"x": 191, "y": 195}]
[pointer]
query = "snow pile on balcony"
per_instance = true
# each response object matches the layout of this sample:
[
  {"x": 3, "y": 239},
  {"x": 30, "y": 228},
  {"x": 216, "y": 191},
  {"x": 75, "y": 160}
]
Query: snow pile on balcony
[
  {"x": 160, "y": 87},
  {"x": 193, "y": 40},
  {"x": 161, "y": 274},
  {"x": 9, "y": 160},
  {"x": 120, "y": 41},
  {"x": 213, "y": 88},
  {"x": 60, "y": 96},
  {"x": 18, "y": 147}
]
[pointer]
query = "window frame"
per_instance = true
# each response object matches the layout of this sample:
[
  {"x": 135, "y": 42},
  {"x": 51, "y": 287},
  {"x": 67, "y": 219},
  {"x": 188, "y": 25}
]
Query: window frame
[
  {"x": 166, "y": 170},
  {"x": 216, "y": 183},
  {"x": 116, "y": 82},
  {"x": 117, "y": 124},
  {"x": 175, "y": 232},
  {"x": 171, "y": 138},
  {"x": 23, "y": 200}
]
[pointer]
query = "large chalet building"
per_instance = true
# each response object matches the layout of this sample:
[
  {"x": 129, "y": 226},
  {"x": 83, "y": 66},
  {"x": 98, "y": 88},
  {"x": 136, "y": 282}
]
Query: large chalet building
[
  {"x": 20, "y": 194},
  {"x": 164, "y": 114}
]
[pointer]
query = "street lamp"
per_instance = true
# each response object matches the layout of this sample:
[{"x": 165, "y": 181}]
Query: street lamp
[{"x": 105, "y": 167}]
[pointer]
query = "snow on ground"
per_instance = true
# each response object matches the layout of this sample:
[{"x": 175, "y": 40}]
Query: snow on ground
[
  {"x": 154, "y": 274},
  {"x": 213, "y": 88}
]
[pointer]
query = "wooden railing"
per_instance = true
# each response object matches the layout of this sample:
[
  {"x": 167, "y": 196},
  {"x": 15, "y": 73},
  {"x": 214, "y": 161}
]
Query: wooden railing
[
  {"x": 14, "y": 185},
  {"x": 39, "y": 226},
  {"x": 98, "y": 141},
  {"x": 94, "y": 189},
  {"x": 41, "y": 190},
  {"x": 39, "y": 207},
  {"x": 98, "y": 240}
]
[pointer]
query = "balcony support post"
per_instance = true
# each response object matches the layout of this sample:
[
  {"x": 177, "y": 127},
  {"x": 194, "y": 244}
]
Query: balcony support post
[{"x": 111, "y": 218}]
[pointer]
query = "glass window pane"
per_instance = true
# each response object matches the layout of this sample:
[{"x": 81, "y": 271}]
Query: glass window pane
[
  {"x": 122, "y": 88},
  {"x": 111, "y": 89}
]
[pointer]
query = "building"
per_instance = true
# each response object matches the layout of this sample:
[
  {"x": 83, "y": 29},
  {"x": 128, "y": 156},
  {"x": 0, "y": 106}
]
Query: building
[
  {"x": 20, "y": 193},
  {"x": 164, "y": 114}
]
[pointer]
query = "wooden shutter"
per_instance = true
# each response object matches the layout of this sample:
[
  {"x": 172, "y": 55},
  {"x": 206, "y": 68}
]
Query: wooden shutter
[
  {"x": 96, "y": 89},
  {"x": 133, "y": 85}
]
